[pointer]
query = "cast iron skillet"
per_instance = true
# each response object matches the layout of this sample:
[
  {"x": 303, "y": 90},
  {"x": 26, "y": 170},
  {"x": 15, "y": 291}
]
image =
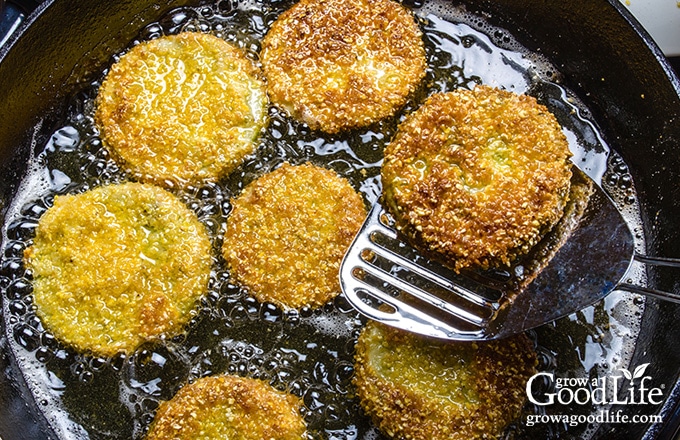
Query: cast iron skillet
[{"x": 603, "y": 53}]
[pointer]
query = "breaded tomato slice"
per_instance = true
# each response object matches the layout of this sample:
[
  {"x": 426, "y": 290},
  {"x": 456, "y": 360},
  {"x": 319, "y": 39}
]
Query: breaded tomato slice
[
  {"x": 288, "y": 232},
  {"x": 477, "y": 176},
  {"x": 181, "y": 108},
  {"x": 229, "y": 407},
  {"x": 419, "y": 388},
  {"x": 118, "y": 265},
  {"x": 342, "y": 64}
]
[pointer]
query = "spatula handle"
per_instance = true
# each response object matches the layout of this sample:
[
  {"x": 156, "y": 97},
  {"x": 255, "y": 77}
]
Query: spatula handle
[
  {"x": 658, "y": 261},
  {"x": 654, "y": 261}
]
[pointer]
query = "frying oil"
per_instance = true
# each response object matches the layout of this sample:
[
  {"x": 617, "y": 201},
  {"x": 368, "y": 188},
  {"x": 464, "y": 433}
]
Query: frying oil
[{"x": 308, "y": 352}]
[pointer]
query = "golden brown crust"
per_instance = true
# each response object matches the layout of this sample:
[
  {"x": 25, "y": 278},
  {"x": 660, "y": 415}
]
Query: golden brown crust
[
  {"x": 580, "y": 191},
  {"x": 341, "y": 64},
  {"x": 288, "y": 233},
  {"x": 118, "y": 265},
  {"x": 184, "y": 107},
  {"x": 421, "y": 388},
  {"x": 229, "y": 407},
  {"x": 478, "y": 176}
]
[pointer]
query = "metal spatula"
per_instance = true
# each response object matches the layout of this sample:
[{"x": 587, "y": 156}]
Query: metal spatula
[{"x": 389, "y": 281}]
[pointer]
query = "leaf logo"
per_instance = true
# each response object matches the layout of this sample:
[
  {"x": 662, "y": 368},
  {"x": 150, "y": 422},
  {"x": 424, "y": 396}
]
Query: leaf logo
[
  {"x": 637, "y": 373},
  {"x": 640, "y": 371}
]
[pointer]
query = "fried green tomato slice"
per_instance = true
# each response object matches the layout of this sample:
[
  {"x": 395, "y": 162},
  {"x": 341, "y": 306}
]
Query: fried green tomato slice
[
  {"x": 288, "y": 232},
  {"x": 181, "y": 108},
  {"x": 229, "y": 407},
  {"x": 477, "y": 177},
  {"x": 118, "y": 265},
  {"x": 342, "y": 64},
  {"x": 414, "y": 387}
]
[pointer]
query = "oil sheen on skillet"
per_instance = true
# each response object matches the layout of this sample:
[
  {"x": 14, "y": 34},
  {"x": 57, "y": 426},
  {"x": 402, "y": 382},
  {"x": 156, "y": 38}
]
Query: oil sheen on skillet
[{"x": 307, "y": 352}]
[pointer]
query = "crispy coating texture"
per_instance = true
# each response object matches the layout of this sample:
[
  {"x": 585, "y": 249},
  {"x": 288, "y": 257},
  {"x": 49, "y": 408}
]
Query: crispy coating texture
[
  {"x": 288, "y": 232},
  {"x": 342, "y": 64},
  {"x": 181, "y": 108},
  {"x": 539, "y": 257},
  {"x": 477, "y": 177},
  {"x": 420, "y": 388},
  {"x": 118, "y": 265},
  {"x": 229, "y": 407}
]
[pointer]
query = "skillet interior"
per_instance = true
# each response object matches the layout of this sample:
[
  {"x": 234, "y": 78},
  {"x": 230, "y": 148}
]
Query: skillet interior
[{"x": 601, "y": 56}]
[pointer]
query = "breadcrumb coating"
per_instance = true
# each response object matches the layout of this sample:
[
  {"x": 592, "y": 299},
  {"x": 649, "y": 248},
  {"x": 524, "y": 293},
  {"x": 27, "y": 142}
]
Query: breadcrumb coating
[
  {"x": 229, "y": 407},
  {"x": 118, "y": 265},
  {"x": 342, "y": 64},
  {"x": 288, "y": 232},
  {"x": 420, "y": 388},
  {"x": 477, "y": 176},
  {"x": 181, "y": 108}
]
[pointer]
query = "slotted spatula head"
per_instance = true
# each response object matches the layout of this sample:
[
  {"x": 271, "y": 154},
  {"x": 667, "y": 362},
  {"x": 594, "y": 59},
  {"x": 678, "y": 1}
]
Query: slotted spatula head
[{"x": 576, "y": 265}]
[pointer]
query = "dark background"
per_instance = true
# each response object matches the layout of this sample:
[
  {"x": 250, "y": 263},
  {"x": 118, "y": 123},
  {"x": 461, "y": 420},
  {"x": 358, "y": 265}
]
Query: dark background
[{"x": 675, "y": 62}]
